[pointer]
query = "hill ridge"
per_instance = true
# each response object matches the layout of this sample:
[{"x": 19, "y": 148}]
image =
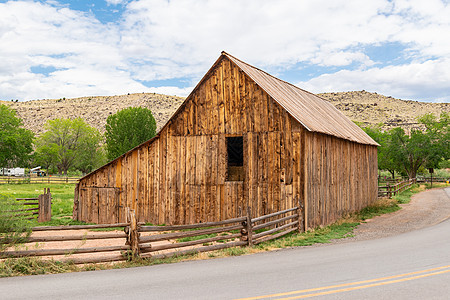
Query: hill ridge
[{"x": 360, "y": 106}]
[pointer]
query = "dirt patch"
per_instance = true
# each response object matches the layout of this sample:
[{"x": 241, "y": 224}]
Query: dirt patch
[{"x": 425, "y": 209}]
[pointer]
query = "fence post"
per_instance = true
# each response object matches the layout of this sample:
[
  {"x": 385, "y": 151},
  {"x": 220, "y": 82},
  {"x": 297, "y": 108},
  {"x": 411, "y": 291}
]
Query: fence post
[
  {"x": 388, "y": 190},
  {"x": 300, "y": 216},
  {"x": 76, "y": 202},
  {"x": 45, "y": 206},
  {"x": 133, "y": 234},
  {"x": 249, "y": 226}
]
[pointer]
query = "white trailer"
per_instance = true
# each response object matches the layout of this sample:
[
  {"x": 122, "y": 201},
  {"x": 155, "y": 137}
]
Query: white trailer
[{"x": 13, "y": 171}]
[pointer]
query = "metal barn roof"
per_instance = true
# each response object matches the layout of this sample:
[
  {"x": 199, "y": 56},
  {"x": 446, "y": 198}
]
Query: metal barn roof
[{"x": 313, "y": 112}]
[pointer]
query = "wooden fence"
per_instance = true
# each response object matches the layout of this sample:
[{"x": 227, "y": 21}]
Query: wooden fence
[
  {"x": 433, "y": 179},
  {"x": 389, "y": 190},
  {"x": 46, "y": 179},
  {"x": 79, "y": 234},
  {"x": 164, "y": 241},
  {"x": 397, "y": 187},
  {"x": 30, "y": 208}
]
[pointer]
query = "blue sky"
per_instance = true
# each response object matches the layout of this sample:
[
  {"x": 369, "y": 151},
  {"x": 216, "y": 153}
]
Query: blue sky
[{"x": 56, "y": 49}]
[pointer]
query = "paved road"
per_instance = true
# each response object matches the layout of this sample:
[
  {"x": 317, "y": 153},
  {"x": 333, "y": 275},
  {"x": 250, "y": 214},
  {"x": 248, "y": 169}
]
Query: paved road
[{"x": 412, "y": 265}]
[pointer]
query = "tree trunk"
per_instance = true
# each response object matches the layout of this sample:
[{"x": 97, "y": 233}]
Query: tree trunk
[{"x": 392, "y": 174}]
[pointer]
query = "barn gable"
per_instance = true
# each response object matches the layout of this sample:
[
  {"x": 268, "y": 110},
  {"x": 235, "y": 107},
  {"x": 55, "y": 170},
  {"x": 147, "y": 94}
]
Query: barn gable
[
  {"x": 313, "y": 112},
  {"x": 285, "y": 155}
]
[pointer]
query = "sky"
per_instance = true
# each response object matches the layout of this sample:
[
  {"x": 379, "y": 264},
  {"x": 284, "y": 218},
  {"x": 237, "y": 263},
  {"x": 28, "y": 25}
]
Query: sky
[{"x": 64, "y": 49}]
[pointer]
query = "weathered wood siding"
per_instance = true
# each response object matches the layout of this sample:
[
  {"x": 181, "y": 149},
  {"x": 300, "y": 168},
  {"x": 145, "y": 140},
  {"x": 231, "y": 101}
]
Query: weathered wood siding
[
  {"x": 341, "y": 178},
  {"x": 180, "y": 176}
]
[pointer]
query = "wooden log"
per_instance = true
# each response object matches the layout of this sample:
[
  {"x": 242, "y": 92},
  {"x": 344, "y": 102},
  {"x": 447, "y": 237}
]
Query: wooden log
[
  {"x": 19, "y": 210},
  {"x": 75, "y": 237},
  {"x": 275, "y": 236},
  {"x": 48, "y": 252},
  {"x": 26, "y": 203},
  {"x": 191, "y": 226},
  {"x": 257, "y": 236},
  {"x": 26, "y": 199},
  {"x": 133, "y": 233},
  {"x": 151, "y": 248},
  {"x": 177, "y": 235},
  {"x": 45, "y": 207},
  {"x": 76, "y": 227},
  {"x": 194, "y": 251},
  {"x": 273, "y": 214},
  {"x": 18, "y": 215},
  {"x": 263, "y": 225}
]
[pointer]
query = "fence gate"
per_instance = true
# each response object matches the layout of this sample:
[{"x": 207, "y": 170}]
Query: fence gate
[{"x": 100, "y": 205}]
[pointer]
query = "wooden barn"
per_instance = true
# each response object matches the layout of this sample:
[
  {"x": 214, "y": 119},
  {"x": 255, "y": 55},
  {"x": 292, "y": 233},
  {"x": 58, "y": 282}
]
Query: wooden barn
[{"x": 241, "y": 138}]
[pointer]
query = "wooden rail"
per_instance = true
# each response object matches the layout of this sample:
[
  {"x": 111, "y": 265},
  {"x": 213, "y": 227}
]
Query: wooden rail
[
  {"x": 51, "y": 237},
  {"x": 46, "y": 179},
  {"x": 433, "y": 179},
  {"x": 392, "y": 190},
  {"x": 393, "y": 187},
  {"x": 219, "y": 235},
  {"x": 41, "y": 207},
  {"x": 165, "y": 241}
]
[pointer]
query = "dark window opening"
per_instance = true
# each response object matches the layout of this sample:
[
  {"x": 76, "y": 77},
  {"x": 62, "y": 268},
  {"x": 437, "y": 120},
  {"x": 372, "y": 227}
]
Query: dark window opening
[{"x": 235, "y": 154}]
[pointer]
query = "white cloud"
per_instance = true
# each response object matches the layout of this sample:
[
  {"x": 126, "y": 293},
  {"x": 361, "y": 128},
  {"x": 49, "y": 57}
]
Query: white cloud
[
  {"x": 160, "y": 39},
  {"x": 191, "y": 33},
  {"x": 115, "y": 2},
  {"x": 340, "y": 58},
  {"x": 83, "y": 51},
  {"x": 171, "y": 90},
  {"x": 424, "y": 81}
]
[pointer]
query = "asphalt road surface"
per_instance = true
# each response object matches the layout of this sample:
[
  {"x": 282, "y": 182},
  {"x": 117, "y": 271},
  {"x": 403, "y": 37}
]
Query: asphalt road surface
[{"x": 412, "y": 265}]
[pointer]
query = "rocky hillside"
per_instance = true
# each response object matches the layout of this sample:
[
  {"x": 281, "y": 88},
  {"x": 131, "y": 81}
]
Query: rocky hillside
[
  {"x": 94, "y": 110},
  {"x": 372, "y": 108},
  {"x": 360, "y": 106}
]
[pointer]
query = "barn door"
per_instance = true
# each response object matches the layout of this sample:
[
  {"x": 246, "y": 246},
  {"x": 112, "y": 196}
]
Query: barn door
[{"x": 100, "y": 205}]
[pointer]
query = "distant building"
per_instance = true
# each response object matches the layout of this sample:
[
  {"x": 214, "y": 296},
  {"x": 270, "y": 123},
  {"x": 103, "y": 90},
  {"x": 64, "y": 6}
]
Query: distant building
[
  {"x": 12, "y": 171},
  {"x": 37, "y": 172}
]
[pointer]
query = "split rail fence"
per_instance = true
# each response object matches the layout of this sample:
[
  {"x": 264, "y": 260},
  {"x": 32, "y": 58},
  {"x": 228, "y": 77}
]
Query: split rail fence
[
  {"x": 433, "y": 179},
  {"x": 389, "y": 190},
  {"x": 138, "y": 240},
  {"x": 80, "y": 237},
  {"x": 31, "y": 208},
  {"x": 46, "y": 179}
]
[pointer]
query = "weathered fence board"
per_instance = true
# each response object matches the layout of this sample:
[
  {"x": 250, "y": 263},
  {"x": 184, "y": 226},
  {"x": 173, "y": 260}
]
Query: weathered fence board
[
  {"x": 392, "y": 190},
  {"x": 42, "y": 207}
]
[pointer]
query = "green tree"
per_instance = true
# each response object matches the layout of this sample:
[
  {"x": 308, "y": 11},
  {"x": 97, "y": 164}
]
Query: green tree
[
  {"x": 127, "y": 129},
  {"x": 46, "y": 156},
  {"x": 16, "y": 143},
  {"x": 385, "y": 159},
  {"x": 406, "y": 153},
  {"x": 90, "y": 159},
  {"x": 439, "y": 135},
  {"x": 66, "y": 143},
  {"x": 421, "y": 148}
]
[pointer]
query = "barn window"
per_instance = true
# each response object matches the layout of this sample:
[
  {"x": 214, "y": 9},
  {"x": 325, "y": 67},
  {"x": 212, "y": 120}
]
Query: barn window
[{"x": 235, "y": 154}]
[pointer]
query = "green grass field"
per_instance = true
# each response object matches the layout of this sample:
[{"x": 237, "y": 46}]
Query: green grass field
[{"x": 62, "y": 199}]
